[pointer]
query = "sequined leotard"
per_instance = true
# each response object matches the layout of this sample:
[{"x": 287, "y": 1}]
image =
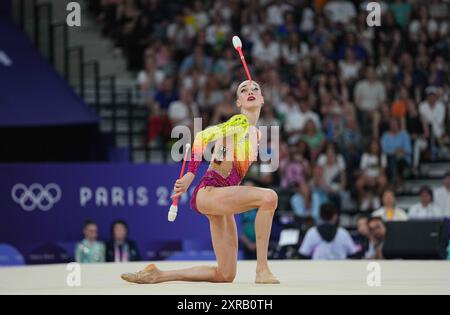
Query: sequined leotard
[{"x": 235, "y": 150}]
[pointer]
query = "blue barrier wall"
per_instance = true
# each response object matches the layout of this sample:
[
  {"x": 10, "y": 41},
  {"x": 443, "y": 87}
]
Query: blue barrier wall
[{"x": 43, "y": 208}]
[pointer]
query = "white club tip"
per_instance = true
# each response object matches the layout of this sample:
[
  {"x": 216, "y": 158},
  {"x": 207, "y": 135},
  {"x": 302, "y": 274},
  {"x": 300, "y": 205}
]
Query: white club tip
[
  {"x": 188, "y": 146},
  {"x": 172, "y": 215},
  {"x": 237, "y": 42}
]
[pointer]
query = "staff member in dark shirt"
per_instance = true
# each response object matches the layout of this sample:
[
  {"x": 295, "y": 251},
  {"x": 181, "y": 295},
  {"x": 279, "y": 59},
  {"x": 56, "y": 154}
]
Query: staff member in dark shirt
[{"x": 120, "y": 248}]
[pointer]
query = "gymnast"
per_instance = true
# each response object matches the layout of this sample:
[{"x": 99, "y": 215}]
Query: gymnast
[{"x": 219, "y": 196}]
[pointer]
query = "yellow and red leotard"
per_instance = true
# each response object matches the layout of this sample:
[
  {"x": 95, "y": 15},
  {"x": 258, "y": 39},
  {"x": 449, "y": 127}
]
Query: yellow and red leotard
[{"x": 235, "y": 150}]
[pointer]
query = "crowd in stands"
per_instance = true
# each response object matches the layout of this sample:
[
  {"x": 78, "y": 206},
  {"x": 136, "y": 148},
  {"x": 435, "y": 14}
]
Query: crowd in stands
[{"x": 359, "y": 106}]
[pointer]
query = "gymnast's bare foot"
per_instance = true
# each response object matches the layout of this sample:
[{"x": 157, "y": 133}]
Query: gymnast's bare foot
[
  {"x": 266, "y": 277},
  {"x": 150, "y": 274}
]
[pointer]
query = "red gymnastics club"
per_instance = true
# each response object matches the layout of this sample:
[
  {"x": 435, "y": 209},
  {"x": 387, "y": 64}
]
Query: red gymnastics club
[
  {"x": 238, "y": 46},
  {"x": 173, "y": 211}
]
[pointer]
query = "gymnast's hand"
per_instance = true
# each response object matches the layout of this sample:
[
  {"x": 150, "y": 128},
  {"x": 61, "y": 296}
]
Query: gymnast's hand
[{"x": 182, "y": 185}]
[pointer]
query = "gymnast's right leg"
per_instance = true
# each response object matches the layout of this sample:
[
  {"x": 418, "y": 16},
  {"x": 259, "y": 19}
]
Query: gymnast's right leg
[{"x": 225, "y": 243}]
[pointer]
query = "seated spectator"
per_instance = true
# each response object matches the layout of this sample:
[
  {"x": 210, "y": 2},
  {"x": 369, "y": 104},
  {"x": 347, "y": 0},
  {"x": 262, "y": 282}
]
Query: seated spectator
[
  {"x": 266, "y": 51},
  {"x": 417, "y": 127},
  {"x": 369, "y": 94},
  {"x": 314, "y": 137},
  {"x": 328, "y": 241},
  {"x": 442, "y": 196},
  {"x": 363, "y": 236},
  {"x": 377, "y": 234},
  {"x": 426, "y": 208},
  {"x": 340, "y": 11},
  {"x": 119, "y": 248},
  {"x": 349, "y": 67},
  {"x": 396, "y": 145},
  {"x": 372, "y": 179},
  {"x": 433, "y": 112},
  {"x": 217, "y": 33},
  {"x": 149, "y": 79},
  {"x": 389, "y": 211},
  {"x": 287, "y": 109},
  {"x": 166, "y": 94},
  {"x": 183, "y": 111},
  {"x": 89, "y": 250},
  {"x": 334, "y": 172},
  {"x": 294, "y": 50},
  {"x": 306, "y": 202},
  {"x": 295, "y": 171},
  {"x": 197, "y": 59}
]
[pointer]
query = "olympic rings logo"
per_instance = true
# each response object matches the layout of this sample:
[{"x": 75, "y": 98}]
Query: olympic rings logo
[{"x": 36, "y": 196}]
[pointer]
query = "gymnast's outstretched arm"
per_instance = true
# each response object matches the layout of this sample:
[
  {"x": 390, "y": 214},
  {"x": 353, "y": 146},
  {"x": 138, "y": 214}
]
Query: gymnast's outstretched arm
[{"x": 236, "y": 125}]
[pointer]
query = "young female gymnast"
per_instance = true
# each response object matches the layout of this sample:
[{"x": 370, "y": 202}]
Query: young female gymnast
[{"x": 219, "y": 196}]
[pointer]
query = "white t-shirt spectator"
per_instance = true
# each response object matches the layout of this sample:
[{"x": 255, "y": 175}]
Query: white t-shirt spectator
[
  {"x": 317, "y": 248},
  {"x": 293, "y": 56},
  {"x": 276, "y": 12},
  {"x": 179, "y": 112},
  {"x": 297, "y": 120},
  {"x": 157, "y": 79},
  {"x": 435, "y": 116},
  {"x": 371, "y": 164},
  {"x": 340, "y": 11},
  {"x": 442, "y": 200},
  {"x": 349, "y": 70},
  {"x": 285, "y": 109},
  {"x": 215, "y": 32},
  {"x": 419, "y": 211},
  {"x": 180, "y": 35},
  {"x": 332, "y": 173},
  {"x": 414, "y": 27},
  {"x": 307, "y": 20},
  {"x": 269, "y": 53},
  {"x": 398, "y": 214},
  {"x": 369, "y": 95}
]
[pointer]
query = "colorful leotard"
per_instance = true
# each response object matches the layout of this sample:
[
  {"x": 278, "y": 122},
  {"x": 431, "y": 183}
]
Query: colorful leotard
[{"x": 235, "y": 150}]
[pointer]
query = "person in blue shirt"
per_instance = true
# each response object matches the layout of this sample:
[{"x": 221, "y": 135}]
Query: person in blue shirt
[{"x": 396, "y": 145}]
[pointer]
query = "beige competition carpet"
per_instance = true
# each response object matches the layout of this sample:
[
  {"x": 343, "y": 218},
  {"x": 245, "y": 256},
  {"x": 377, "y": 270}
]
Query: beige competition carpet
[{"x": 297, "y": 277}]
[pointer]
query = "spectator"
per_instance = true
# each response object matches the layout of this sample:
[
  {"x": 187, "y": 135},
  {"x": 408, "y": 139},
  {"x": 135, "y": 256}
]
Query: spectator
[
  {"x": 417, "y": 127},
  {"x": 149, "y": 79},
  {"x": 433, "y": 112},
  {"x": 334, "y": 168},
  {"x": 314, "y": 137},
  {"x": 306, "y": 202},
  {"x": 266, "y": 51},
  {"x": 294, "y": 50},
  {"x": 196, "y": 60},
  {"x": 328, "y": 241},
  {"x": 396, "y": 145},
  {"x": 90, "y": 250},
  {"x": 426, "y": 208},
  {"x": 442, "y": 196},
  {"x": 363, "y": 236},
  {"x": 377, "y": 233},
  {"x": 389, "y": 211},
  {"x": 372, "y": 179},
  {"x": 402, "y": 12},
  {"x": 369, "y": 95},
  {"x": 276, "y": 11},
  {"x": 295, "y": 170},
  {"x": 120, "y": 248},
  {"x": 340, "y": 11},
  {"x": 183, "y": 111}
]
